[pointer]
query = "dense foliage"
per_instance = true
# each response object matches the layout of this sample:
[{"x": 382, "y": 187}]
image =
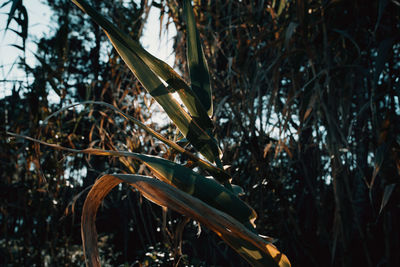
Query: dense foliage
[{"x": 307, "y": 113}]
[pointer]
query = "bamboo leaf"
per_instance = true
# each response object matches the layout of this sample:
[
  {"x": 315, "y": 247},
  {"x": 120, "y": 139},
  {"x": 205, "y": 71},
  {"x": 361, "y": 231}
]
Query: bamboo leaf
[
  {"x": 188, "y": 127},
  {"x": 200, "y": 139},
  {"x": 207, "y": 190},
  {"x": 218, "y": 173},
  {"x": 159, "y": 67},
  {"x": 249, "y": 245},
  {"x": 198, "y": 69}
]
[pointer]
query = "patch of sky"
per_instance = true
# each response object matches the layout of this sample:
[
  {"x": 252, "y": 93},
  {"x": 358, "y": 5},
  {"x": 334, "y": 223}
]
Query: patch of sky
[
  {"x": 159, "y": 45},
  {"x": 75, "y": 175},
  {"x": 39, "y": 25}
]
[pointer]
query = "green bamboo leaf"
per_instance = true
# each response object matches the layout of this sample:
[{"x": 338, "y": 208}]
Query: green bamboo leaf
[
  {"x": 207, "y": 190},
  {"x": 257, "y": 251},
  {"x": 198, "y": 69},
  {"x": 159, "y": 67},
  {"x": 200, "y": 139}
]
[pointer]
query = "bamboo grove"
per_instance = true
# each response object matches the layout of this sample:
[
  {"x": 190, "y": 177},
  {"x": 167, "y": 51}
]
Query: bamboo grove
[{"x": 293, "y": 105}]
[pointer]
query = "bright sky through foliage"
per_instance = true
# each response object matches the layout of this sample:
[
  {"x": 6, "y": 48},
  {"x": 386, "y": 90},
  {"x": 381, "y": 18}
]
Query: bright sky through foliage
[{"x": 40, "y": 24}]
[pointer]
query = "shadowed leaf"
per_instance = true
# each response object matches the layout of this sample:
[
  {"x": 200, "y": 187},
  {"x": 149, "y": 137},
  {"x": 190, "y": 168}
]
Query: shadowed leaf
[
  {"x": 199, "y": 75},
  {"x": 386, "y": 195},
  {"x": 207, "y": 190}
]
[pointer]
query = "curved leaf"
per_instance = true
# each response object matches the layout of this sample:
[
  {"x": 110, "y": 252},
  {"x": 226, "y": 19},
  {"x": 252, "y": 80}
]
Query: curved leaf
[
  {"x": 249, "y": 245},
  {"x": 207, "y": 190}
]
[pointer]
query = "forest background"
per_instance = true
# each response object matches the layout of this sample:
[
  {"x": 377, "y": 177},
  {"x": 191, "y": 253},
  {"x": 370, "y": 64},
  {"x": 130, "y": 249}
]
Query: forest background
[{"x": 307, "y": 112}]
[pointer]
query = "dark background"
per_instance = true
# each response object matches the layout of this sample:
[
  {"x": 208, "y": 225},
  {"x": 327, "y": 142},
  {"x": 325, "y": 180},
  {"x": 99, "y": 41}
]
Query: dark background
[{"x": 307, "y": 113}]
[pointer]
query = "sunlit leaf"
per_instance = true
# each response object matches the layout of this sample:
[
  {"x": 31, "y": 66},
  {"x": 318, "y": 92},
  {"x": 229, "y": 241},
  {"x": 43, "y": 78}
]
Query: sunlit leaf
[
  {"x": 188, "y": 127},
  {"x": 250, "y": 246},
  {"x": 207, "y": 190},
  {"x": 159, "y": 67}
]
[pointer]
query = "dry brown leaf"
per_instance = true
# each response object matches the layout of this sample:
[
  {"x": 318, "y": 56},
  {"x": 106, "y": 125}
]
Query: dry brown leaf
[{"x": 249, "y": 245}]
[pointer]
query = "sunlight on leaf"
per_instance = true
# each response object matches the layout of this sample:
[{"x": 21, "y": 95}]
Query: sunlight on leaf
[{"x": 250, "y": 246}]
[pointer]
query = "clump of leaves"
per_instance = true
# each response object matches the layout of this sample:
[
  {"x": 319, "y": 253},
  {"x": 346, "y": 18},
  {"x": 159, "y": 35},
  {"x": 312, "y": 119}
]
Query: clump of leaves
[{"x": 213, "y": 202}]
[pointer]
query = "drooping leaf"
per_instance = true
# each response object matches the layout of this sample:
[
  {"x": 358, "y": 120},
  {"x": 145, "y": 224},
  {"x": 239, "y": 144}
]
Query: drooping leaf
[
  {"x": 198, "y": 69},
  {"x": 207, "y": 190},
  {"x": 249, "y": 245},
  {"x": 159, "y": 67}
]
